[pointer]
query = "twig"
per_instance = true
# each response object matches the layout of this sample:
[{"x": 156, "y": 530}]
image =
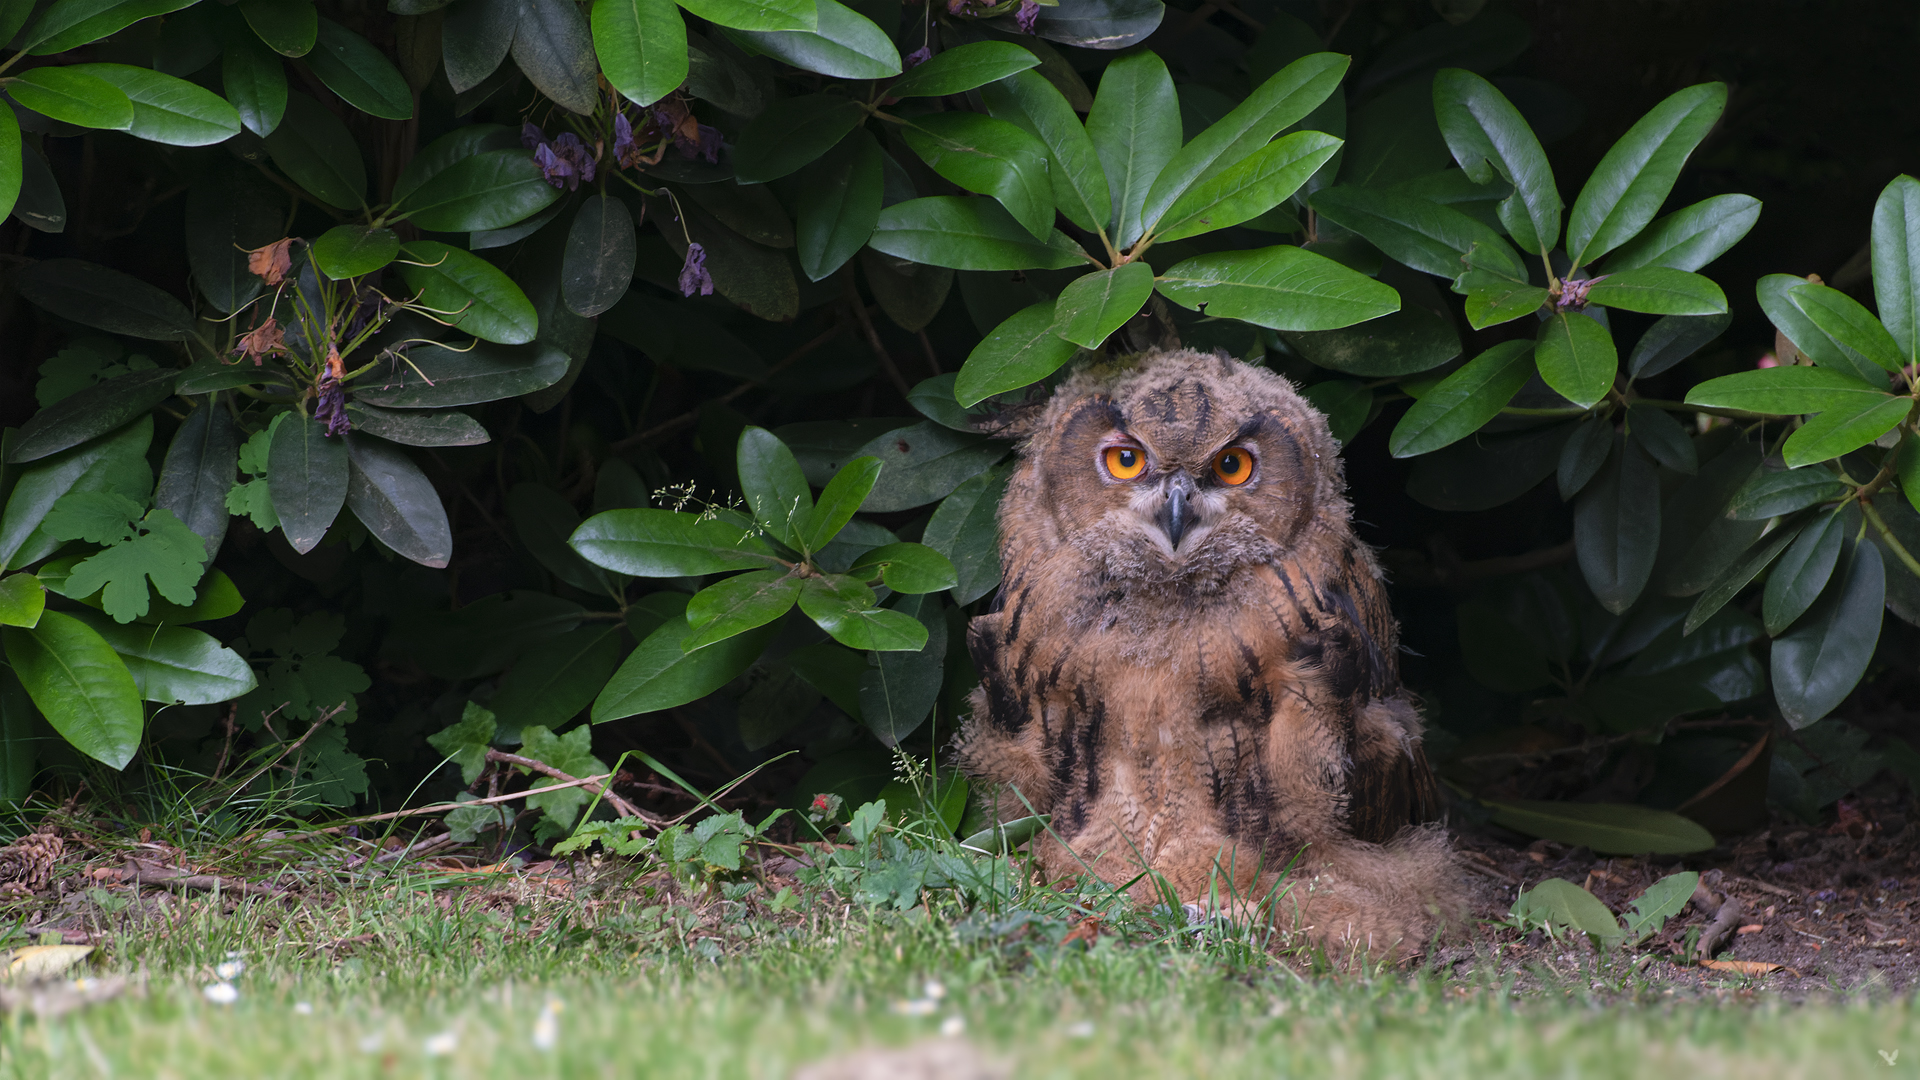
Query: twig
[
  {"x": 859, "y": 307},
  {"x": 443, "y": 807},
  {"x": 417, "y": 847},
  {"x": 620, "y": 805},
  {"x": 1726, "y": 910},
  {"x": 146, "y": 873}
]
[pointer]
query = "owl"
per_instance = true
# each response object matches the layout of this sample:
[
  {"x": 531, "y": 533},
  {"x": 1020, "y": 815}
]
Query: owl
[{"x": 1191, "y": 663}]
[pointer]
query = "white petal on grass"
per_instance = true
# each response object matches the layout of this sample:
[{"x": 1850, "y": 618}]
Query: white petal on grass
[
  {"x": 440, "y": 1045},
  {"x": 221, "y": 993},
  {"x": 230, "y": 970},
  {"x": 915, "y": 1007},
  {"x": 934, "y": 991},
  {"x": 303, "y": 1008},
  {"x": 953, "y": 1027},
  {"x": 370, "y": 1044},
  {"x": 1081, "y": 1029},
  {"x": 546, "y": 1027}
]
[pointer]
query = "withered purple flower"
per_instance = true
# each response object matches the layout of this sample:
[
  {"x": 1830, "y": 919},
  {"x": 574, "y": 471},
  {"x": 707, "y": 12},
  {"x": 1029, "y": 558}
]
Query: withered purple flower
[
  {"x": 623, "y": 144},
  {"x": 575, "y": 153},
  {"x": 531, "y": 136},
  {"x": 557, "y": 170},
  {"x": 1026, "y": 16},
  {"x": 919, "y": 56},
  {"x": 694, "y": 277}
]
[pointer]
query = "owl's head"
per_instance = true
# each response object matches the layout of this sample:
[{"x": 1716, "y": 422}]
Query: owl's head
[{"x": 1175, "y": 469}]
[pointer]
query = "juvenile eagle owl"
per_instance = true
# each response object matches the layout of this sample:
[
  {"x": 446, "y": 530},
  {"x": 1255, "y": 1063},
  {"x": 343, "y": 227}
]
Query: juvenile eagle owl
[{"x": 1192, "y": 665}]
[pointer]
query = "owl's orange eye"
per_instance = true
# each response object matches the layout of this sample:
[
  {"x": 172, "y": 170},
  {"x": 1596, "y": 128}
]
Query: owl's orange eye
[
  {"x": 1125, "y": 462},
  {"x": 1233, "y": 466}
]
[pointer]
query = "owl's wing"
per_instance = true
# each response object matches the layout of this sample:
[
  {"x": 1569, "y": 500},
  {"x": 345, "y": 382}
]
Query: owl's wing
[{"x": 1336, "y": 619}]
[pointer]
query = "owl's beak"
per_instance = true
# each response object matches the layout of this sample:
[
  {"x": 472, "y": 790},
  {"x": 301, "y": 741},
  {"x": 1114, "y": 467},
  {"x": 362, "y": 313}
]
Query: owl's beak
[{"x": 1176, "y": 514}]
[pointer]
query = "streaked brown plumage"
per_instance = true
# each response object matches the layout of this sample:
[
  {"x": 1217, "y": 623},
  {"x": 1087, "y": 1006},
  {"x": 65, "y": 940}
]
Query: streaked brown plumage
[{"x": 1201, "y": 674}]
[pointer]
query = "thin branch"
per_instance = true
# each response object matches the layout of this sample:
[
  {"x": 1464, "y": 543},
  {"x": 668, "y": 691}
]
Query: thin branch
[
  {"x": 1886, "y": 536},
  {"x": 620, "y": 805},
  {"x": 687, "y": 419},
  {"x": 441, "y": 808},
  {"x": 859, "y": 307}
]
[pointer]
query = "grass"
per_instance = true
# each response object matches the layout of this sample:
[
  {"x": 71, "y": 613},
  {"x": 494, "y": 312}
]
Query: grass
[
  {"x": 384, "y": 971},
  {"x": 443, "y": 989}
]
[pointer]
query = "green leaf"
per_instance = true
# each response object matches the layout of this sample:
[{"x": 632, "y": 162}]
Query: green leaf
[
  {"x": 1788, "y": 391},
  {"x": 79, "y": 685},
  {"x": 1580, "y": 459},
  {"x": 838, "y": 205},
  {"x": 924, "y": 463},
  {"x": 1345, "y": 403},
  {"x": 307, "y": 477},
  {"x": 1896, "y": 262},
  {"x": 843, "y": 607},
  {"x": 1771, "y": 494},
  {"x": 22, "y": 599},
  {"x": 1410, "y": 340},
  {"x": 468, "y": 292},
  {"x": 553, "y": 47},
  {"x": 1662, "y": 437},
  {"x": 359, "y": 73},
  {"x": 73, "y": 97},
  {"x": 466, "y": 742},
  {"x": 69, "y": 25},
  {"x": 159, "y": 548},
  {"x": 1800, "y": 575},
  {"x": 1255, "y": 185},
  {"x": 91, "y": 413},
  {"x": 1626, "y": 189},
  {"x": 1577, "y": 358},
  {"x": 198, "y": 471},
  {"x": 756, "y": 14},
  {"x": 165, "y": 109},
  {"x": 1281, "y": 288},
  {"x": 1909, "y": 464},
  {"x": 1501, "y": 302},
  {"x": 486, "y": 372},
  {"x": 350, "y": 251},
  {"x": 1616, "y": 527},
  {"x": 1092, "y": 307},
  {"x": 737, "y": 604},
  {"x": 317, "y": 152},
  {"x": 1673, "y": 339},
  {"x": 216, "y": 598},
  {"x": 395, "y": 501},
  {"x": 1279, "y": 102},
  {"x": 10, "y": 162},
  {"x": 969, "y": 233},
  {"x": 843, "y": 44},
  {"x": 115, "y": 462},
  {"x": 476, "y": 192},
  {"x": 1852, "y": 327},
  {"x": 1818, "y": 664},
  {"x": 1136, "y": 133},
  {"x": 571, "y": 754},
  {"x": 1735, "y": 577},
  {"x": 253, "y": 79},
  {"x": 1464, "y": 401},
  {"x": 1698, "y": 539},
  {"x": 1099, "y": 24},
  {"x": 792, "y": 133},
  {"x": 1607, "y": 828},
  {"x": 962, "y": 68},
  {"x": 642, "y": 47},
  {"x": 899, "y": 692},
  {"x": 289, "y": 27},
  {"x": 838, "y": 503},
  {"x": 1487, "y": 136},
  {"x": 228, "y": 213},
  {"x": 1691, "y": 237},
  {"x": 475, "y": 37},
  {"x": 663, "y": 543},
  {"x": 109, "y": 300},
  {"x": 1021, "y": 351},
  {"x": 601, "y": 248},
  {"x": 1776, "y": 299},
  {"x": 1563, "y": 904},
  {"x": 1425, "y": 235},
  {"x": 559, "y": 677},
  {"x": 544, "y": 519},
  {"x": 775, "y": 487},
  {"x": 1842, "y": 431},
  {"x": 991, "y": 157},
  {"x": 1657, "y": 290},
  {"x": 965, "y": 528},
  {"x": 660, "y": 675},
  {"x": 1663, "y": 900},
  {"x": 1079, "y": 182},
  {"x": 176, "y": 665},
  {"x": 907, "y": 568}
]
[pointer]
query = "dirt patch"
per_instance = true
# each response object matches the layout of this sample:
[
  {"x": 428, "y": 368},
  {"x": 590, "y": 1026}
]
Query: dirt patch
[{"x": 1834, "y": 906}]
